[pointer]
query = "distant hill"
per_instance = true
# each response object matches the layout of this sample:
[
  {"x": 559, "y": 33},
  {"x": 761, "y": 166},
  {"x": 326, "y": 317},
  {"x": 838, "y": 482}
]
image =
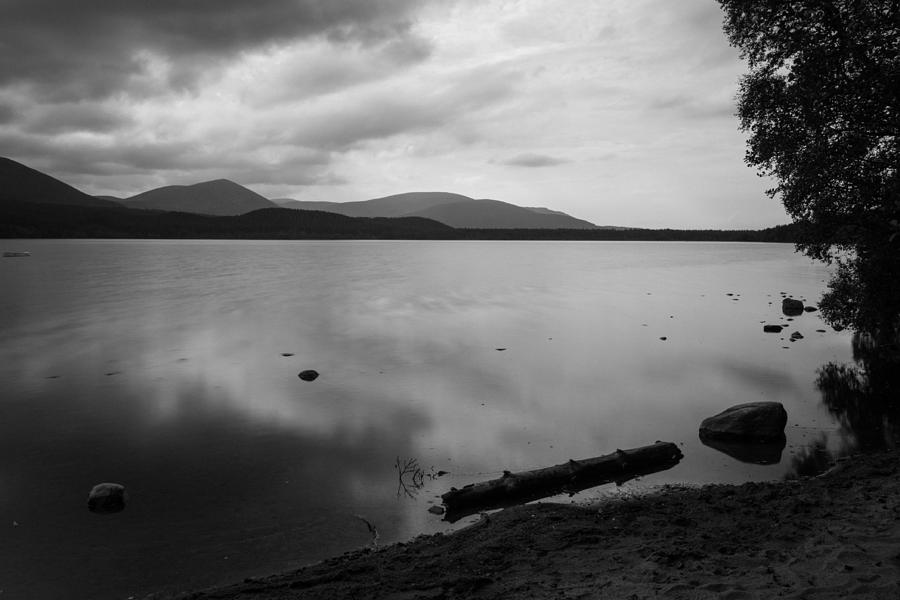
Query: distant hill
[
  {"x": 220, "y": 197},
  {"x": 39, "y": 220},
  {"x": 389, "y": 206},
  {"x": 455, "y": 210},
  {"x": 19, "y": 183},
  {"x": 34, "y": 220},
  {"x": 494, "y": 214}
]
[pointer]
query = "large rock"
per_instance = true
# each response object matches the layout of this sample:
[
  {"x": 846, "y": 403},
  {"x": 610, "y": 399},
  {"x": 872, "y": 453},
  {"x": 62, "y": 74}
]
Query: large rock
[
  {"x": 754, "y": 421},
  {"x": 791, "y": 307},
  {"x": 107, "y": 498}
]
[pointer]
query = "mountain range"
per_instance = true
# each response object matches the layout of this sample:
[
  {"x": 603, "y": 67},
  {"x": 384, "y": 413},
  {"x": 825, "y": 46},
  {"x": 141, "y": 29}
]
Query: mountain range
[{"x": 222, "y": 197}]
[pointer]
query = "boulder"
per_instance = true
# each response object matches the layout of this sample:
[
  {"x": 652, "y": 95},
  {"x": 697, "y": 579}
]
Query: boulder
[
  {"x": 107, "y": 498},
  {"x": 791, "y": 307},
  {"x": 752, "y": 421},
  {"x": 772, "y": 328},
  {"x": 308, "y": 375}
]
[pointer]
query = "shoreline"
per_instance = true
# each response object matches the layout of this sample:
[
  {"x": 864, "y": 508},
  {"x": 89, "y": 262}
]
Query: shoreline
[{"x": 832, "y": 536}]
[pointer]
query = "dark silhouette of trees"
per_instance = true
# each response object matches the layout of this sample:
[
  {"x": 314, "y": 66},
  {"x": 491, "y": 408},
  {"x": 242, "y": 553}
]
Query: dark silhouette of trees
[{"x": 820, "y": 102}]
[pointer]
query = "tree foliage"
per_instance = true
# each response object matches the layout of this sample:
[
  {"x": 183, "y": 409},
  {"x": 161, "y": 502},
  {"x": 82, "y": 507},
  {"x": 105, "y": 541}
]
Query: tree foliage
[{"x": 820, "y": 102}]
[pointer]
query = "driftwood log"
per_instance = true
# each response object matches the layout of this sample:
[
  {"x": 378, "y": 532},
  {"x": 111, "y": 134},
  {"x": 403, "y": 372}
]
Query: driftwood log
[{"x": 569, "y": 477}]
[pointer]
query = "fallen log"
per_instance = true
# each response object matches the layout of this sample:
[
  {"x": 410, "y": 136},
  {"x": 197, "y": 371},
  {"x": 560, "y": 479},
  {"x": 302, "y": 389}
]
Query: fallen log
[{"x": 569, "y": 477}]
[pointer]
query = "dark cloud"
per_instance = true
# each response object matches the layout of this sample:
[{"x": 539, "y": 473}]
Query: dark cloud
[
  {"x": 66, "y": 118},
  {"x": 67, "y": 50},
  {"x": 8, "y": 113},
  {"x": 529, "y": 159},
  {"x": 318, "y": 71}
]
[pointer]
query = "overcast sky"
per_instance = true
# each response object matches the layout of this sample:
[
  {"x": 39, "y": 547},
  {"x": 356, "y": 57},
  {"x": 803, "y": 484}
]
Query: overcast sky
[{"x": 620, "y": 112}]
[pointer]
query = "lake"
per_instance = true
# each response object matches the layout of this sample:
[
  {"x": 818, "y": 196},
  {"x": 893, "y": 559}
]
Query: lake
[{"x": 171, "y": 367}]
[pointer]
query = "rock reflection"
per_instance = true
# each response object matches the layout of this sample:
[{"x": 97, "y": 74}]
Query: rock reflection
[{"x": 766, "y": 453}]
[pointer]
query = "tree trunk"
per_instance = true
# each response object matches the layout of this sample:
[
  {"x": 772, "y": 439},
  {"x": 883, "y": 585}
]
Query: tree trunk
[{"x": 570, "y": 477}]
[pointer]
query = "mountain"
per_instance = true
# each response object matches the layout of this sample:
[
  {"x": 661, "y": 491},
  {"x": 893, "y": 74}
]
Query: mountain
[
  {"x": 220, "y": 197},
  {"x": 493, "y": 214},
  {"x": 455, "y": 210},
  {"x": 397, "y": 205},
  {"x": 19, "y": 183}
]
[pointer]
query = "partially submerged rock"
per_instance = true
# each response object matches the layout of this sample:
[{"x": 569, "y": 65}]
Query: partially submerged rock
[
  {"x": 751, "y": 421},
  {"x": 308, "y": 375},
  {"x": 107, "y": 498},
  {"x": 791, "y": 307},
  {"x": 772, "y": 328}
]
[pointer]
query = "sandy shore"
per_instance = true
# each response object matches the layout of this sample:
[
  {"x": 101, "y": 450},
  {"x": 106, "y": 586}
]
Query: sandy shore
[{"x": 835, "y": 536}]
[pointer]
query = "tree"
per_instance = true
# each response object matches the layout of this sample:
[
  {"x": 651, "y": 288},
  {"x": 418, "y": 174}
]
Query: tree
[{"x": 820, "y": 102}]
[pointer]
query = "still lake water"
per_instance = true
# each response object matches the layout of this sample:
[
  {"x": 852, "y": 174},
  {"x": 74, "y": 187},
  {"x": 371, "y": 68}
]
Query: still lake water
[{"x": 159, "y": 365}]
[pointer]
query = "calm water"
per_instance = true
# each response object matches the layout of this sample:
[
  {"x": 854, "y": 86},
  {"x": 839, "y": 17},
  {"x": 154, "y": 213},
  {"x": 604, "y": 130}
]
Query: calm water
[{"x": 158, "y": 365}]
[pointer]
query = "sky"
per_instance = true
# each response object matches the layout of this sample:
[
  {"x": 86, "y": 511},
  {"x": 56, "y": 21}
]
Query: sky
[{"x": 620, "y": 112}]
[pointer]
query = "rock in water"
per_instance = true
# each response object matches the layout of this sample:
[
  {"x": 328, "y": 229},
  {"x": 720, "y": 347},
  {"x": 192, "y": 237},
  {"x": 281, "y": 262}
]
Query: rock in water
[
  {"x": 754, "y": 421},
  {"x": 810, "y": 308},
  {"x": 308, "y": 375},
  {"x": 772, "y": 328},
  {"x": 791, "y": 307},
  {"x": 107, "y": 498}
]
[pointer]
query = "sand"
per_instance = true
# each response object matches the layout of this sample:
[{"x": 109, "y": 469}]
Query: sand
[{"x": 833, "y": 536}]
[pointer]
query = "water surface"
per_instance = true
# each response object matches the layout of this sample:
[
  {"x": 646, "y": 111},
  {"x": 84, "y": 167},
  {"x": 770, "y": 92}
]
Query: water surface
[{"x": 160, "y": 365}]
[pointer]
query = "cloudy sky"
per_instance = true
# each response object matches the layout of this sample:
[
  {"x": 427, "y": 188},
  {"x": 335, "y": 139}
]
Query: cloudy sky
[{"x": 619, "y": 112}]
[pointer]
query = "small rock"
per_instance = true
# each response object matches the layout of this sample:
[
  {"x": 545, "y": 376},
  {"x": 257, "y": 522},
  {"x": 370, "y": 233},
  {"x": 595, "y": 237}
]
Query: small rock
[
  {"x": 436, "y": 510},
  {"x": 796, "y": 336},
  {"x": 772, "y": 328},
  {"x": 810, "y": 308},
  {"x": 107, "y": 498},
  {"x": 791, "y": 307},
  {"x": 308, "y": 375},
  {"x": 500, "y": 349},
  {"x": 663, "y": 338},
  {"x": 287, "y": 353}
]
